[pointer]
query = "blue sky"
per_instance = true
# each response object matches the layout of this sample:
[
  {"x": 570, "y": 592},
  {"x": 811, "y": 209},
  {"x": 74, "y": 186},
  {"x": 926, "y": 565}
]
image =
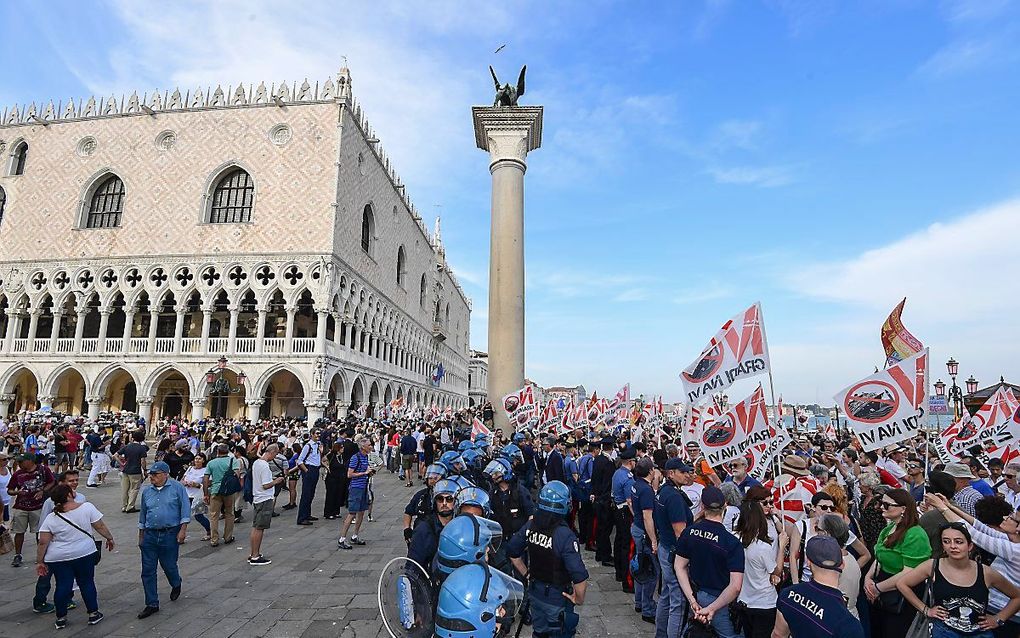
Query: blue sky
[{"x": 825, "y": 158}]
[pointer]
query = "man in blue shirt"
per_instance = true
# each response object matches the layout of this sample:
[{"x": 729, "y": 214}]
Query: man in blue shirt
[
  {"x": 309, "y": 462},
  {"x": 817, "y": 607},
  {"x": 162, "y": 527},
  {"x": 642, "y": 504},
  {"x": 623, "y": 480},
  {"x": 585, "y": 509},
  {"x": 711, "y": 560},
  {"x": 358, "y": 473},
  {"x": 739, "y": 477},
  {"x": 672, "y": 515}
]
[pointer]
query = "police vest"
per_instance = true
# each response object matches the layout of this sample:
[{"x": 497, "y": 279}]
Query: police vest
[
  {"x": 545, "y": 565},
  {"x": 424, "y": 505},
  {"x": 507, "y": 510}
]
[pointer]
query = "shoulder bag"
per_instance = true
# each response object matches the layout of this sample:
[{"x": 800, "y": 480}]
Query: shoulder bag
[
  {"x": 99, "y": 544},
  {"x": 921, "y": 627}
]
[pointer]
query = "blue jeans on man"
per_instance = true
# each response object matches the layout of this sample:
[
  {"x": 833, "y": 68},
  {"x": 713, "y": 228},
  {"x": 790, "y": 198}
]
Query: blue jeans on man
[
  {"x": 309, "y": 481},
  {"x": 721, "y": 619},
  {"x": 159, "y": 546},
  {"x": 552, "y": 615},
  {"x": 672, "y": 608},
  {"x": 644, "y": 594}
]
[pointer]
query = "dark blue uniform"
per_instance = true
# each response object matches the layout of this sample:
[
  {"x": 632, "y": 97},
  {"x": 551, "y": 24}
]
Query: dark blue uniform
[
  {"x": 425, "y": 541},
  {"x": 555, "y": 567},
  {"x": 671, "y": 506},
  {"x": 714, "y": 554},
  {"x": 812, "y": 609},
  {"x": 420, "y": 504},
  {"x": 585, "y": 510}
]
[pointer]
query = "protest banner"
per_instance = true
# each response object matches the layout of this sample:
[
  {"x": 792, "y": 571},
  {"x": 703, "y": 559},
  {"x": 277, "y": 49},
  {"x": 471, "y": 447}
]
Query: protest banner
[
  {"x": 478, "y": 428},
  {"x": 760, "y": 457},
  {"x": 520, "y": 407},
  {"x": 993, "y": 427},
  {"x": 737, "y": 351},
  {"x": 733, "y": 433},
  {"x": 889, "y": 406}
]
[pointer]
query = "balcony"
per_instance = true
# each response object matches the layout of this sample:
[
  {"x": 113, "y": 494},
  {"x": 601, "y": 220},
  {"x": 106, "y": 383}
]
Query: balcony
[
  {"x": 438, "y": 331},
  {"x": 273, "y": 345}
]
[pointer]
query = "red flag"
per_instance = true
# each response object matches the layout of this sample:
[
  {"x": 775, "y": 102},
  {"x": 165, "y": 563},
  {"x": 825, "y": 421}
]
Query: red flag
[
  {"x": 477, "y": 427},
  {"x": 899, "y": 344}
]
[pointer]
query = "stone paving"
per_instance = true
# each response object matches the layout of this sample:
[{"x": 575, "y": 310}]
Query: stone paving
[{"x": 311, "y": 590}]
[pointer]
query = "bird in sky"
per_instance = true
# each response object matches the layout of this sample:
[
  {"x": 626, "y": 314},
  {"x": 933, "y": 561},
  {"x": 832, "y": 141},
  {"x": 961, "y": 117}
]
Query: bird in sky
[{"x": 501, "y": 47}]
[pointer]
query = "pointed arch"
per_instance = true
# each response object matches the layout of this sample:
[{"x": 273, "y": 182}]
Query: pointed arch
[
  {"x": 8, "y": 379},
  {"x": 102, "y": 382},
  {"x": 229, "y": 195},
  {"x": 259, "y": 388},
  {"x": 102, "y": 201},
  {"x": 53, "y": 379}
]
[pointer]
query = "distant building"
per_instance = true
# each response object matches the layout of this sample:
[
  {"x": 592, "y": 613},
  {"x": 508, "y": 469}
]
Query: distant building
[
  {"x": 478, "y": 378},
  {"x": 577, "y": 393}
]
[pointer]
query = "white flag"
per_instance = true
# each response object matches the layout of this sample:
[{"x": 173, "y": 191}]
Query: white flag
[{"x": 737, "y": 351}]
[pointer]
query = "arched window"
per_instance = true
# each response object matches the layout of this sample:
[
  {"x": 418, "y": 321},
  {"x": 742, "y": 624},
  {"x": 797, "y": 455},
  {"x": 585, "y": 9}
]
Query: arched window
[
  {"x": 401, "y": 266},
  {"x": 106, "y": 205},
  {"x": 233, "y": 198},
  {"x": 424, "y": 291},
  {"x": 19, "y": 159},
  {"x": 367, "y": 229},
  {"x": 3, "y": 203}
]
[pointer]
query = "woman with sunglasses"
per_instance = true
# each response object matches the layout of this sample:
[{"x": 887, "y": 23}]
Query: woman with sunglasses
[
  {"x": 822, "y": 504},
  {"x": 901, "y": 546},
  {"x": 960, "y": 588},
  {"x": 1003, "y": 542}
]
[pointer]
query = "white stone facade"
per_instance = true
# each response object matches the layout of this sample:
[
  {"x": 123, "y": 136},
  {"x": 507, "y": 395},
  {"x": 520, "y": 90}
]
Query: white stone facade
[
  {"x": 329, "y": 291},
  {"x": 478, "y": 378}
]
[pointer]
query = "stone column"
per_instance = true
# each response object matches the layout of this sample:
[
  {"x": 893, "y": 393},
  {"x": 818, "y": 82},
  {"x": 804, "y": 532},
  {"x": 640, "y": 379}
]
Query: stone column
[
  {"x": 206, "y": 324},
  {"x": 46, "y": 401},
  {"x": 179, "y": 328},
  {"x": 235, "y": 312},
  {"x": 95, "y": 403},
  {"x": 153, "y": 324},
  {"x": 33, "y": 324},
  {"x": 316, "y": 410},
  {"x": 104, "y": 326},
  {"x": 253, "y": 409},
  {"x": 198, "y": 409},
  {"x": 5, "y": 403},
  {"x": 12, "y": 326},
  {"x": 320, "y": 331},
  {"x": 260, "y": 331},
  {"x": 288, "y": 339},
  {"x": 508, "y": 134},
  {"x": 55, "y": 331},
  {"x": 79, "y": 329},
  {"x": 129, "y": 324},
  {"x": 145, "y": 412}
]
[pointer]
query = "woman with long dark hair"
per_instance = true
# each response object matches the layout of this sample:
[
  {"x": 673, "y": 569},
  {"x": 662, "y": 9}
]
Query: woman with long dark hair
[
  {"x": 337, "y": 472},
  {"x": 757, "y": 599},
  {"x": 68, "y": 550},
  {"x": 901, "y": 546},
  {"x": 959, "y": 589}
]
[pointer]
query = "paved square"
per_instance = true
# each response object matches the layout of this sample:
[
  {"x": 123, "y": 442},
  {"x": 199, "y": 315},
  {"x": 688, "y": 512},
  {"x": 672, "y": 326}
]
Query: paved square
[{"x": 311, "y": 590}]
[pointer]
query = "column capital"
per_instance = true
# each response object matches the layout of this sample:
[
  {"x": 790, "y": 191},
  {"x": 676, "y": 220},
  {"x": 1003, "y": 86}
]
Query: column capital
[
  {"x": 46, "y": 398},
  {"x": 95, "y": 398},
  {"x": 144, "y": 400},
  {"x": 322, "y": 405},
  {"x": 256, "y": 402},
  {"x": 508, "y": 133},
  {"x": 181, "y": 310},
  {"x": 199, "y": 402}
]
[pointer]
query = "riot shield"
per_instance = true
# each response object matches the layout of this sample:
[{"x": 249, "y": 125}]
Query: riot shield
[{"x": 405, "y": 599}]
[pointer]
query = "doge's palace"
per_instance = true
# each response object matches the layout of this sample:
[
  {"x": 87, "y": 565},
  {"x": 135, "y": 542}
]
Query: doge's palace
[{"x": 144, "y": 237}]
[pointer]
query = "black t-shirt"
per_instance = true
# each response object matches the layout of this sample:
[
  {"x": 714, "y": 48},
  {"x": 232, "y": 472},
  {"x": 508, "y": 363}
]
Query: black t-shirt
[
  {"x": 429, "y": 444},
  {"x": 133, "y": 454},
  {"x": 59, "y": 443}
]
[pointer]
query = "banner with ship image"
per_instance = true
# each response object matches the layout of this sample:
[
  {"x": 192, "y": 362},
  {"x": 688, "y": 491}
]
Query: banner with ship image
[
  {"x": 737, "y": 351},
  {"x": 889, "y": 406}
]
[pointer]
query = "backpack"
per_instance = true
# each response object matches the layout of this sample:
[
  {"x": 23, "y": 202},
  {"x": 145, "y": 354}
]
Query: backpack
[
  {"x": 249, "y": 489},
  {"x": 230, "y": 484}
]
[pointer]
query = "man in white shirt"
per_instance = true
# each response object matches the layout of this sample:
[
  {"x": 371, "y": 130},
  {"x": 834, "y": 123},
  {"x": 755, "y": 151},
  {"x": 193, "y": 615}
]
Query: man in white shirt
[
  {"x": 263, "y": 490},
  {"x": 1010, "y": 488},
  {"x": 892, "y": 463}
]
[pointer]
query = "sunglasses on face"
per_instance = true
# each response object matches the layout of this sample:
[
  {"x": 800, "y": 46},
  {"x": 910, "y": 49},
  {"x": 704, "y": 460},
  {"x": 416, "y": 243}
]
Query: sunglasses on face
[
  {"x": 886, "y": 505},
  {"x": 825, "y": 507},
  {"x": 1009, "y": 476},
  {"x": 444, "y": 498}
]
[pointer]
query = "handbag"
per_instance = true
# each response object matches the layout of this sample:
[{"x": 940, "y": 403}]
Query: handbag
[
  {"x": 6, "y": 542},
  {"x": 99, "y": 544},
  {"x": 888, "y": 601},
  {"x": 921, "y": 626},
  {"x": 229, "y": 484}
]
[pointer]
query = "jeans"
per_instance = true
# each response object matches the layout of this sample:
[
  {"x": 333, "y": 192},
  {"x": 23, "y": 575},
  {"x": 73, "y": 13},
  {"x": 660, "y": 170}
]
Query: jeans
[
  {"x": 66, "y": 572},
  {"x": 309, "y": 480},
  {"x": 162, "y": 547},
  {"x": 202, "y": 520},
  {"x": 721, "y": 620},
  {"x": 672, "y": 609},
  {"x": 644, "y": 594},
  {"x": 940, "y": 630},
  {"x": 42, "y": 590}
]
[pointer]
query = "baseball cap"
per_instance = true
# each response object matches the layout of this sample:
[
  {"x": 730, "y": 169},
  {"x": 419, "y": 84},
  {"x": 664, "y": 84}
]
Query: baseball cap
[
  {"x": 159, "y": 466},
  {"x": 712, "y": 498},
  {"x": 824, "y": 552},
  {"x": 677, "y": 464}
]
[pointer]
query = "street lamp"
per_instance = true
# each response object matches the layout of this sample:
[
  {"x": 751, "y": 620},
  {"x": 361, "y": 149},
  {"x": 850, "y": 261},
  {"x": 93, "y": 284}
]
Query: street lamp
[
  {"x": 972, "y": 385},
  {"x": 955, "y": 393},
  {"x": 940, "y": 389},
  {"x": 218, "y": 384}
]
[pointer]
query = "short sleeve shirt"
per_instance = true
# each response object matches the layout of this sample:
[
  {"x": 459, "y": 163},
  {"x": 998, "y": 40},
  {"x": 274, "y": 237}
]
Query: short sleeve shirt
[
  {"x": 812, "y": 609},
  {"x": 713, "y": 553},
  {"x": 133, "y": 454},
  {"x": 31, "y": 485},
  {"x": 641, "y": 498},
  {"x": 670, "y": 507},
  {"x": 359, "y": 463}
]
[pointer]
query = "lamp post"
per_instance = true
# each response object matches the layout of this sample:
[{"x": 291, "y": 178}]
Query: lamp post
[
  {"x": 219, "y": 387},
  {"x": 955, "y": 393}
]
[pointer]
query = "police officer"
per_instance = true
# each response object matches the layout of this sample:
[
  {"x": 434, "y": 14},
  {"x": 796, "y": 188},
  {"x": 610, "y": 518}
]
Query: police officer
[
  {"x": 623, "y": 481},
  {"x": 710, "y": 565},
  {"x": 570, "y": 470},
  {"x": 420, "y": 504},
  {"x": 642, "y": 504},
  {"x": 672, "y": 515},
  {"x": 557, "y": 576},
  {"x": 466, "y": 539},
  {"x": 817, "y": 607},
  {"x": 425, "y": 539},
  {"x": 511, "y": 506},
  {"x": 585, "y": 508},
  {"x": 477, "y": 601},
  {"x": 602, "y": 500}
]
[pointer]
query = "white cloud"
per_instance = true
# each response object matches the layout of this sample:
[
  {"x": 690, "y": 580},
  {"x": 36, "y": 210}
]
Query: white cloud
[
  {"x": 701, "y": 295},
  {"x": 761, "y": 176},
  {"x": 632, "y": 294},
  {"x": 962, "y": 56},
  {"x": 739, "y": 134}
]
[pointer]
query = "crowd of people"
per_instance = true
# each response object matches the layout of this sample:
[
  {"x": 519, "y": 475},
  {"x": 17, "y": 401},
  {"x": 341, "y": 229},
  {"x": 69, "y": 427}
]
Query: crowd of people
[{"x": 831, "y": 541}]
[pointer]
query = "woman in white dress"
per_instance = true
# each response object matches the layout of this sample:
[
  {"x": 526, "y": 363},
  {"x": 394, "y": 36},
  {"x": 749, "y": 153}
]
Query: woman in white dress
[{"x": 100, "y": 464}]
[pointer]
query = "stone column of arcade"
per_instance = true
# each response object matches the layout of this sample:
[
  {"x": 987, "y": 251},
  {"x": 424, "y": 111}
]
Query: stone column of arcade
[{"x": 508, "y": 133}]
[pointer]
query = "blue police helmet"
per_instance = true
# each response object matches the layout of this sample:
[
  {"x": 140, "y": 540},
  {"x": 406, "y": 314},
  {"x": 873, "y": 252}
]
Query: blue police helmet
[
  {"x": 445, "y": 486},
  {"x": 470, "y": 601},
  {"x": 453, "y": 462},
  {"x": 473, "y": 496},
  {"x": 481, "y": 440},
  {"x": 461, "y": 482},
  {"x": 465, "y": 540},
  {"x": 470, "y": 455},
  {"x": 554, "y": 498},
  {"x": 499, "y": 470},
  {"x": 517, "y": 438},
  {"x": 435, "y": 470},
  {"x": 513, "y": 453},
  {"x": 465, "y": 445}
]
